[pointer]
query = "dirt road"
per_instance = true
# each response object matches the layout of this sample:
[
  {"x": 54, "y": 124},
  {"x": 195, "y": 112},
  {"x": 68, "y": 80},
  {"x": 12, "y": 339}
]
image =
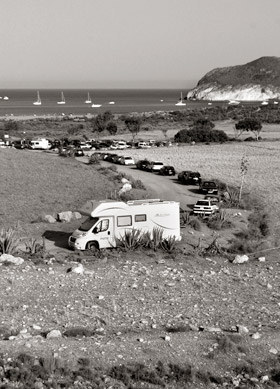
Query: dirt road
[{"x": 163, "y": 187}]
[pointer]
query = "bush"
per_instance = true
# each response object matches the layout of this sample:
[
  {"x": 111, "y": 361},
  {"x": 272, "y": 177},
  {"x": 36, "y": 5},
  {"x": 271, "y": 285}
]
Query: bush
[
  {"x": 8, "y": 241},
  {"x": 200, "y": 135}
]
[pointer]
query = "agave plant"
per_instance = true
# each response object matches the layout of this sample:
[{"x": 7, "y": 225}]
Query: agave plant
[
  {"x": 169, "y": 244},
  {"x": 8, "y": 241},
  {"x": 130, "y": 240},
  {"x": 33, "y": 247},
  {"x": 156, "y": 238}
]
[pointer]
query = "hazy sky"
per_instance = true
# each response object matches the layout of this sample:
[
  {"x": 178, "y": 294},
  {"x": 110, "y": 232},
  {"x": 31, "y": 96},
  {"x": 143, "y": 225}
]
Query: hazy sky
[{"x": 130, "y": 43}]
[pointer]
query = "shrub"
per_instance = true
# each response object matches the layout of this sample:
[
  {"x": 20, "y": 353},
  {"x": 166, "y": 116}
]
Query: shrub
[
  {"x": 8, "y": 241},
  {"x": 219, "y": 220},
  {"x": 94, "y": 159},
  {"x": 200, "y": 135},
  {"x": 131, "y": 240},
  {"x": 169, "y": 244},
  {"x": 156, "y": 239},
  {"x": 33, "y": 247}
]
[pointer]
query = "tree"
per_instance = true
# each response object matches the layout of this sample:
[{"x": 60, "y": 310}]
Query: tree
[
  {"x": 99, "y": 122},
  {"x": 11, "y": 126},
  {"x": 202, "y": 124},
  {"x": 249, "y": 124},
  {"x": 112, "y": 128},
  {"x": 200, "y": 135},
  {"x": 133, "y": 125}
]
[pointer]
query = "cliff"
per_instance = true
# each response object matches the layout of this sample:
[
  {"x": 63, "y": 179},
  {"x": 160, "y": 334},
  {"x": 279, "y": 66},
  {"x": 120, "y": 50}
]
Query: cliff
[{"x": 256, "y": 80}]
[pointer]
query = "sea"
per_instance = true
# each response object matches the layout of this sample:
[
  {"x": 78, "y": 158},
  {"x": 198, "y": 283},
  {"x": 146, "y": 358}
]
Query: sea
[{"x": 19, "y": 102}]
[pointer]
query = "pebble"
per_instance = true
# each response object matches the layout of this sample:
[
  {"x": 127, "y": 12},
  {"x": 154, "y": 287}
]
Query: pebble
[
  {"x": 256, "y": 335},
  {"x": 242, "y": 329},
  {"x": 54, "y": 334},
  {"x": 273, "y": 350}
]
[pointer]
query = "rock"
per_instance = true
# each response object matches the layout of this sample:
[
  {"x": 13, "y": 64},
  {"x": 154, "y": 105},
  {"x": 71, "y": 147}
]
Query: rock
[
  {"x": 11, "y": 259},
  {"x": 256, "y": 335},
  {"x": 76, "y": 215},
  {"x": 273, "y": 350},
  {"x": 49, "y": 219},
  {"x": 79, "y": 269},
  {"x": 241, "y": 259},
  {"x": 213, "y": 329},
  {"x": 167, "y": 338},
  {"x": 261, "y": 259},
  {"x": 36, "y": 327},
  {"x": 242, "y": 329},
  {"x": 54, "y": 334},
  {"x": 65, "y": 216}
]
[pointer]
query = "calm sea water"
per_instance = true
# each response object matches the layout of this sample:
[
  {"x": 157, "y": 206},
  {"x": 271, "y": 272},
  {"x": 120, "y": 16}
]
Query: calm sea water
[{"x": 125, "y": 100}]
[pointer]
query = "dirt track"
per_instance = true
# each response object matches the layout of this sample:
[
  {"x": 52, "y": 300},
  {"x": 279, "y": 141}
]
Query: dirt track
[{"x": 165, "y": 188}]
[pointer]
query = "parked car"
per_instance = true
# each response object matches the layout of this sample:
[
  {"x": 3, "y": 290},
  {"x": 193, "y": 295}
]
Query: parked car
[
  {"x": 205, "y": 207},
  {"x": 127, "y": 161},
  {"x": 110, "y": 157},
  {"x": 115, "y": 158},
  {"x": 208, "y": 187},
  {"x": 142, "y": 164},
  {"x": 189, "y": 177},
  {"x": 79, "y": 152},
  {"x": 167, "y": 171},
  {"x": 143, "y": 145},
  {"x": 214, "y": 198},
  {"x": 154, "y": 166}
]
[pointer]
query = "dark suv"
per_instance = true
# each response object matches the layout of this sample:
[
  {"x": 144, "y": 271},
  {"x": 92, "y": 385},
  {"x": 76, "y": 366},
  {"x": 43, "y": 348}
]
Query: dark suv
[
  {"x": 167, "y": 171},
  {"x": 142, "y": 164},
  {"x": 208, "y": 187},
  {"x": 189, "y": 177}
]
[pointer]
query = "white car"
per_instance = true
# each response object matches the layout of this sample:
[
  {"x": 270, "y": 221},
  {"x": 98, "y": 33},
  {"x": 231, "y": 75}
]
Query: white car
[
  {"x": 143, "y": 145},
  {"x": 155, "y": 166},
  {"x": 205, "y": 207},
  {"x": 127, "y": 161}
]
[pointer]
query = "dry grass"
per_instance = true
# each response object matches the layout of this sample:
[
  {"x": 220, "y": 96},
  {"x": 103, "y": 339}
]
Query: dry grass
[
  {"x": 222, "y": 161},
  {"x": 34, "y": 183}
]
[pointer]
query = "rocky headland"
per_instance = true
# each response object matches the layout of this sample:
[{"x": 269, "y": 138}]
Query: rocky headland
[{"x": 258, "y": 80}]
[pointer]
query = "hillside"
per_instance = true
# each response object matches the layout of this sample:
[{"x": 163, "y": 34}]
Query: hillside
[
  {"x": 263, "y": 71},
  {"x": 256, "y": 80}
]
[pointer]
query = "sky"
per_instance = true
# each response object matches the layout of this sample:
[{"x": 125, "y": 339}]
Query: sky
[{"x": 130, "y": 43}]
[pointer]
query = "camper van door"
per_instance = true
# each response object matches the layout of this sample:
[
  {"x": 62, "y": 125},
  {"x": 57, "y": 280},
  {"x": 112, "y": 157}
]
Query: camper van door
[{"x": 104, "y": 232}]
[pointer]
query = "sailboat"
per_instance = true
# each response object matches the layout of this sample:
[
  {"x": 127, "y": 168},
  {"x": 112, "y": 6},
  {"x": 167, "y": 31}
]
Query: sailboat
[
  {"x": 38, "y": 101},
  {"x": 181, "y": 102},
  {"x": 88, "y": 100},
  {"x": 96, "y": 105},
  {"x": 62, "y": 101}
]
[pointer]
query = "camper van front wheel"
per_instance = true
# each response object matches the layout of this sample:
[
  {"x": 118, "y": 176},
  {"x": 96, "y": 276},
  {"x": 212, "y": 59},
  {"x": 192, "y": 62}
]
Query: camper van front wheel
[{"x": 93, "y": 246}]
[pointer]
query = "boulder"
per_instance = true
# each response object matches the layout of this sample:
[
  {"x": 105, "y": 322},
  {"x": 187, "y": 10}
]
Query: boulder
[
  {"x": 11, "y": 259},
  {"x": 49, "y": 219},
  {"x": 76, "y": 215},
  {"x": 54, "y": 334},
  {"x": 241, "y": 259},
  {"x": 65, "y": 216}
]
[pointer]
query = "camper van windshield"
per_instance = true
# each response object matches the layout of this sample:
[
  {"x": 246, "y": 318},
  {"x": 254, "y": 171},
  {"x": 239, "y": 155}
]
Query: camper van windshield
[{"x": 90, "y": 222}]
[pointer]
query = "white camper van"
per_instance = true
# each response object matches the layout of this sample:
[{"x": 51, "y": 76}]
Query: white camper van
[
  {"x": 40, "y": 144},
  {"x": 109, "y": 219}
]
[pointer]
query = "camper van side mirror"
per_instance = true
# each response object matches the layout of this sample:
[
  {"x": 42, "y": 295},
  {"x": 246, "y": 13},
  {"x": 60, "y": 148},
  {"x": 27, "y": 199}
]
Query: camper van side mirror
[{"x": 95, "y": 230}]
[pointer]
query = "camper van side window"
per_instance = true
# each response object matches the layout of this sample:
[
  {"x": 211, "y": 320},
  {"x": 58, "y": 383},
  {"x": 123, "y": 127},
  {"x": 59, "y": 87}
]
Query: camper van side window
[
  {"x": 124, "y": 221},
  {"x": 140, "y": 218}
]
